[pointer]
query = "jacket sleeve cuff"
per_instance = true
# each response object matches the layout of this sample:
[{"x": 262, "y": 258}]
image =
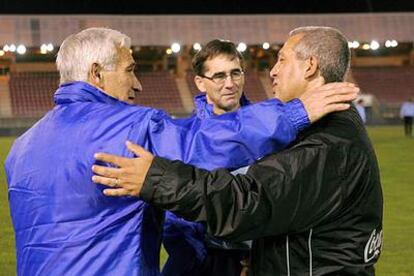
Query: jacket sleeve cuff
[
  {"x": 297, "y": 114},
  {"x": 154, "y": 177}
]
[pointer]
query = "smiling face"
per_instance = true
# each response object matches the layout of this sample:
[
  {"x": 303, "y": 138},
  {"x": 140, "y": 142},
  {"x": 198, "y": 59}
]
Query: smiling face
[
  {"x": 289, "y": 73},
  {"x": 121, "y": 83},
  {"x": 224, "y": 96}
]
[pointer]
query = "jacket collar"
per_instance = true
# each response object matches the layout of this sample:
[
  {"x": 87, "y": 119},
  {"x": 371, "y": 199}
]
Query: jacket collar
[
  {"x": 205, "y": 110},
  {"x": 79, "y": 91}
]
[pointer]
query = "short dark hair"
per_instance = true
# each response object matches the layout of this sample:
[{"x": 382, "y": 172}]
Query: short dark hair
[
  {"x": 213, "y": 49},
  {"x": 329, "y": 46}
]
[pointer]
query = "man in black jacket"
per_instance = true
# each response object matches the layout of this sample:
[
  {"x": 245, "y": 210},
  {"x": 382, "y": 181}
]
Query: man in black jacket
[{"x": 314, "y": 208}]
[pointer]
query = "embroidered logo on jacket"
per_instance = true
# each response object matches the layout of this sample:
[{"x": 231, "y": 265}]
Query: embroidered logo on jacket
[{"x": 373, "y": 246}]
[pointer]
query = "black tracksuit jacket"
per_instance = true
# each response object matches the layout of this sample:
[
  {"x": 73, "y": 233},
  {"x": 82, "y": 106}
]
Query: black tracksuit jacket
[{"x": 314, "y": 208}]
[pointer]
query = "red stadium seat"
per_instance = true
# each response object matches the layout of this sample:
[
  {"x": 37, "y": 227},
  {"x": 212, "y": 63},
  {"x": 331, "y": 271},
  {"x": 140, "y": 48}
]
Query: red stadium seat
[
  {"x": 31, "y": 93},
  {"x": 391, "y": 85},
  {"x": 160, "y": 91}
]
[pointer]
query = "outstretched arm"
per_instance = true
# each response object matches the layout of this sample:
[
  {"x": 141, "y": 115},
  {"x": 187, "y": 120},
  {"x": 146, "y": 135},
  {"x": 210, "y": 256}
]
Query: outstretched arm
[
  {"x": 289, "y": 191},
  {"x": 239, "y": 138}
]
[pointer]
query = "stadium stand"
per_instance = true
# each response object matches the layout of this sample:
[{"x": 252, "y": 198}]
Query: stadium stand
[
  {"x": 159, "y": 91},
  {"x": 31, "y": 93},
  {"x": 253, "y": 87},
  {"x": 191, "y": 85},
  {"x": 391, "y": 85}
]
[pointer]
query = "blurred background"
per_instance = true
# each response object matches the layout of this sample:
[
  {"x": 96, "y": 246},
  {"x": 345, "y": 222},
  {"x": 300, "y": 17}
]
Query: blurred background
[{"x": 165, "y": 36}]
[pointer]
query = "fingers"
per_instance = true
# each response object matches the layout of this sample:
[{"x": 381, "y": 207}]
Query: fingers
[
  {"x": 130, "y": 175},
  {"x": 137, "y": 150},
  {"x": 354, "y": 91},
  {"x": 338, "y": 85},
  {"x": 337, "y": 107},
  {"x": 107, "y": 171},
  {"x": 349, "y": 92},
  {"x": 116, "y": 192},
  {"x": 337, "y": 88},
  {"x": 345, "y": 91},
  {"x": 328, "y": 98},
  {"x": 338, "y": 98},
  {"x": 110, "y": 158},
  {"x": 110, "y": 182},
  {"x": 118, "y": 187}
]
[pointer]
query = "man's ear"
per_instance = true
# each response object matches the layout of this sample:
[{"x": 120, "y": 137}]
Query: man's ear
[
  {"x": 95, "y": 75},
  {"x": 312, "y": 67},
  {"x": 199, "y": 82}
]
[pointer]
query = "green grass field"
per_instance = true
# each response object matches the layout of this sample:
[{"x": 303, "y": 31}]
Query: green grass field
[{"x": 396, "y": 157}]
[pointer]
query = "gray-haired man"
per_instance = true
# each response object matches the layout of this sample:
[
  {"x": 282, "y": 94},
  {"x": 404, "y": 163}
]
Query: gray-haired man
[{"x": 312, "y": 209}]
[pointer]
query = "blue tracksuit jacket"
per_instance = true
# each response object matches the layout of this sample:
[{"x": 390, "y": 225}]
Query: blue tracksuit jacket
[{"x": 63, "y": 223}]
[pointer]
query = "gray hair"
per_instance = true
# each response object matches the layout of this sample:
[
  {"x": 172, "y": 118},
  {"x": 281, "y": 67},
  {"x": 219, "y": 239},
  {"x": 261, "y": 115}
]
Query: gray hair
[
  {"x": 94, "y": 45},
  {"x": 329, "y": 46}
]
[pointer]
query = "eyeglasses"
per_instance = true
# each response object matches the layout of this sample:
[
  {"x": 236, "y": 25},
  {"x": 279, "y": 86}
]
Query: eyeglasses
[{"x": 221, "y": 77}]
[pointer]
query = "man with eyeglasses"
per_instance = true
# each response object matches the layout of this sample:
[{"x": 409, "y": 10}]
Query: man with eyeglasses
[
  {"x": 314, "y": 208},
  {"x": 219, "y": 73},
  {"x": 63, "y": 223},
  {"x": 220, "y": 78}
]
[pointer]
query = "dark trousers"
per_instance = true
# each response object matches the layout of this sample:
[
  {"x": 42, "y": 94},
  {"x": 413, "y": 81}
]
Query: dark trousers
[{"x": 408, "y": 126}]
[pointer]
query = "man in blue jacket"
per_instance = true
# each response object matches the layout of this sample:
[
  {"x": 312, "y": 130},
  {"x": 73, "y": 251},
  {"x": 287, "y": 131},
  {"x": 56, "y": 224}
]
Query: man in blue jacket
[
  {"x": 63, "y": 223},
  {"x": 219, "y": 75},
  {"x": 314, "y": 208}
]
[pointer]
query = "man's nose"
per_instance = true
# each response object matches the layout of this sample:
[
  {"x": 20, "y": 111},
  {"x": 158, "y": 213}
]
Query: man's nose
[
  {"x": 228, "y": 82},
  {"x": 137, "y": 86},
  {"x": 274, "y": 71}
]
